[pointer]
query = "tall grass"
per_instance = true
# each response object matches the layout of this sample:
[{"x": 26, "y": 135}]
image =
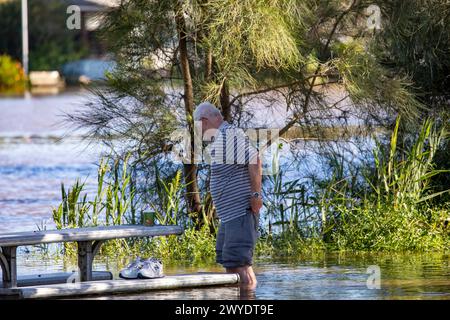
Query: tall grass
[
  {"x": 114, "y": 199},
  {"x": 391, "y": 209},
  {"x": 281, "y": 203},
  {"x": 396, "y": 212},
  {"x": 403, "y": 177},
  {"x": 167, "y": 204},
  {"x": 113, "y": 204}
]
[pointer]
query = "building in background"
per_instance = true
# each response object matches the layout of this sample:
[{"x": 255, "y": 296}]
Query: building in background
[
  {"x": 94, "y": 67},
  {"x": 91, "y": 19}
]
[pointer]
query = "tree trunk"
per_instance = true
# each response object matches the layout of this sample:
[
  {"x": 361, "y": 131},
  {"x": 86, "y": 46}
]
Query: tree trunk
[
  {"x": 208, "y": 65},
  {"x": 190, "y": 169},
  {"x": 225, "y": 101}
]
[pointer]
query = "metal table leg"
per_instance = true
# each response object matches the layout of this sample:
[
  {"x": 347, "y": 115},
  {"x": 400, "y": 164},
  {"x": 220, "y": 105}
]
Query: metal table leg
[
  {"x": 86, "y": 253},
  {"x": 8, "y": 263}
]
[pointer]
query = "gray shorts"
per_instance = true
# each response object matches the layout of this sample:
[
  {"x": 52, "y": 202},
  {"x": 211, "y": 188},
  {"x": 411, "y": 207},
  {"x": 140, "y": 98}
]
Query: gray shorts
[{"x": 236, "y": 241}]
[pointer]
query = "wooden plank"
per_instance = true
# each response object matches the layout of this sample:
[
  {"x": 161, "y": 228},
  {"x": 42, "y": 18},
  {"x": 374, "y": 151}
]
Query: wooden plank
[
  {"x": 86, "y": 234},
  {"x": 123, "y": 286},
  {"x": 55, "y": 278}
]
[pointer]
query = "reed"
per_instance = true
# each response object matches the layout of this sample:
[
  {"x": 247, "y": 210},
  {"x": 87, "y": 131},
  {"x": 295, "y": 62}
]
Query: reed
[
  {"x": 111, "y": 204},
  {"x": 396, "y": 211}
]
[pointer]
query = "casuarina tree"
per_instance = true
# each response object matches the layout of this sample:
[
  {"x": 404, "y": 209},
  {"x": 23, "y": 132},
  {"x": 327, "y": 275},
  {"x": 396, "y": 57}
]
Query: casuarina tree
[{"x": 171, "y": 55}]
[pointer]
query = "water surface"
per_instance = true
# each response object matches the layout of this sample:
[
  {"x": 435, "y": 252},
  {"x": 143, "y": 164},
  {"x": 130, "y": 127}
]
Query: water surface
[{"x": 322, "y": 276}]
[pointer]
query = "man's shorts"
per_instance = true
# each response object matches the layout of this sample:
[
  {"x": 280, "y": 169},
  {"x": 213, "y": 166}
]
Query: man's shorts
[{"x": 236, "y": 241}]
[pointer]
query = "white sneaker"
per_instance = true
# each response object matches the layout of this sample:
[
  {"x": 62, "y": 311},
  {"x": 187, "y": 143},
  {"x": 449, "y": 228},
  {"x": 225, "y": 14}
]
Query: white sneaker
[
  {"x": 151, "y": 268},
  {"x": 132, "y": 270}
]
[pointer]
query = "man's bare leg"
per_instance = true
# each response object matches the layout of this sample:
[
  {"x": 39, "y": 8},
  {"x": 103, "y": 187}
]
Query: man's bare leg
[{"x": 246, "y": 274}]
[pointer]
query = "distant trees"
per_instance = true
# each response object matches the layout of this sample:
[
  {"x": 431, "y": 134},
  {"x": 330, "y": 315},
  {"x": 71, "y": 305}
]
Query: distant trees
[
  {"x": 415, "y": 41},
  {"x": 51, "y": 43}
]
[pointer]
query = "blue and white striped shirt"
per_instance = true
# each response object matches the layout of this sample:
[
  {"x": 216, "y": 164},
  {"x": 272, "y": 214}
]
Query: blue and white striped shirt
[{"x": 231, "y": 152}]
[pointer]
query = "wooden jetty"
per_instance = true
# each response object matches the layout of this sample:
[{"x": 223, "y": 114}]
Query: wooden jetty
[
  {"x": 57, "y": 277},
  {"x": 104, "y": 287}
]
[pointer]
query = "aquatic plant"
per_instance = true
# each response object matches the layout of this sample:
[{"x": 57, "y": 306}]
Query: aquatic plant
[
  {"x": 112, "y": 205},
  {"x": 385, "y": 206},
  {"x": 167, "y": 204}
]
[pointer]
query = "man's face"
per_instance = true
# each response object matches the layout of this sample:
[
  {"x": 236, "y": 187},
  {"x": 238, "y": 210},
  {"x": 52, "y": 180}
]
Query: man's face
[
  {"x": 207, "y": 124},
  {"x": 204, "y": 123}
]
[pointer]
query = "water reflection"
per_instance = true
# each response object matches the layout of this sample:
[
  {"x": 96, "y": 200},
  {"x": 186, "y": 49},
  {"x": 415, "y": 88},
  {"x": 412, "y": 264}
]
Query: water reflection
[
  {"x": 212, "y": 293},
  {"x": 247, "y": 293}
]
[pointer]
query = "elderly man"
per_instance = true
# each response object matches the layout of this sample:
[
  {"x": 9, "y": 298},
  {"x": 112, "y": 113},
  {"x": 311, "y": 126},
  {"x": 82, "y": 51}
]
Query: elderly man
[{"x": 235, "y": 187}]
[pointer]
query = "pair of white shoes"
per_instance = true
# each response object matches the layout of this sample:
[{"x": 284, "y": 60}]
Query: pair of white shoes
[{"x": 150, "y": 268}]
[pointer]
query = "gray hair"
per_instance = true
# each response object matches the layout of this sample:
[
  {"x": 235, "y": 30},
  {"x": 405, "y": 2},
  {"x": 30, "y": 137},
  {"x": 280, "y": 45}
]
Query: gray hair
[{"x": 206, "y": 110}]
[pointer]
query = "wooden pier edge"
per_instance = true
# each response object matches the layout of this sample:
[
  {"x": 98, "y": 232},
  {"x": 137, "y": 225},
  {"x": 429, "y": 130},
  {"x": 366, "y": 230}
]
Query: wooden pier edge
[
  {"x": 107, "y": 287},
  {"x": 57, "y": 278}
]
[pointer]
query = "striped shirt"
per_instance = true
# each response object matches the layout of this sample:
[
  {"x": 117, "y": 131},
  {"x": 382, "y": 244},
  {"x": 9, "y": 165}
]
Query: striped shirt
[{"x": 230, "y": 154}]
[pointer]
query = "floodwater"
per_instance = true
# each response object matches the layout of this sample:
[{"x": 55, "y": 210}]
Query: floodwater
[
  {"x": 324, "y": 276},
  {"x": 38, "y": 152}
]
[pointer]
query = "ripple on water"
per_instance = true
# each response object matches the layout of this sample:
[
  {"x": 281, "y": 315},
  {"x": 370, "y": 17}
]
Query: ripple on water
[{"x": 31, "y": 177}]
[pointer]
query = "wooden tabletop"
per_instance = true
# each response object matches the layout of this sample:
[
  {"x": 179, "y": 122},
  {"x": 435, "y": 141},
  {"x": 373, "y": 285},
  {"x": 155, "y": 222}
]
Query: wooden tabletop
[{"x": 85, "y": 234}]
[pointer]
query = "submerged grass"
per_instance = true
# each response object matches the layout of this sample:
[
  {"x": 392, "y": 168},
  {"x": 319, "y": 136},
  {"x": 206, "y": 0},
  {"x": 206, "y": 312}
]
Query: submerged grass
[{"x": 386, "y": 228}]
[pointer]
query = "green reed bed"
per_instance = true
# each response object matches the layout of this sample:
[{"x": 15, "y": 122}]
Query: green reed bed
[
  {"x": 397, "y": 211},
  {"x": 394, "y": 209}
]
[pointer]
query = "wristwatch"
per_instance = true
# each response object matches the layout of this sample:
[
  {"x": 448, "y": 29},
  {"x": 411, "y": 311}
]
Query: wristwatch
[{"x": 256, "y": 195}]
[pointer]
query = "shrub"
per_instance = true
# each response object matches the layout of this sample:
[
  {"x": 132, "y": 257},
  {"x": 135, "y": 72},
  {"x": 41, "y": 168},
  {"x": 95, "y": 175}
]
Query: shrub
[{"x": 11, "y": 73}]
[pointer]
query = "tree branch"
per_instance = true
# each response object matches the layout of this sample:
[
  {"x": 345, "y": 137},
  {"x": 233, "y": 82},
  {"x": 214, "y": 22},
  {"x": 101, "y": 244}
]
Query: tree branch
[{"x": 316, "y": 73}]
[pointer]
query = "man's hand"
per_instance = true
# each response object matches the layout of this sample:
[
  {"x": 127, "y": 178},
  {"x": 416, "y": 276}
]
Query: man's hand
[
  {"x": 256, "y": 204},
  {"x": 255, "y": 171}
]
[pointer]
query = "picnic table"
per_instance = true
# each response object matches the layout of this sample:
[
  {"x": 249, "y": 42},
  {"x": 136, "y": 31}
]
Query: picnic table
[{"x": 89, "y": 241}]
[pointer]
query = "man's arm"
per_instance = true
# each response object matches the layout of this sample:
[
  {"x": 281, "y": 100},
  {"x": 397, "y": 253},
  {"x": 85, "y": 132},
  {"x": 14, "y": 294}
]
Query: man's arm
[{"x": 255, "y": 172}]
